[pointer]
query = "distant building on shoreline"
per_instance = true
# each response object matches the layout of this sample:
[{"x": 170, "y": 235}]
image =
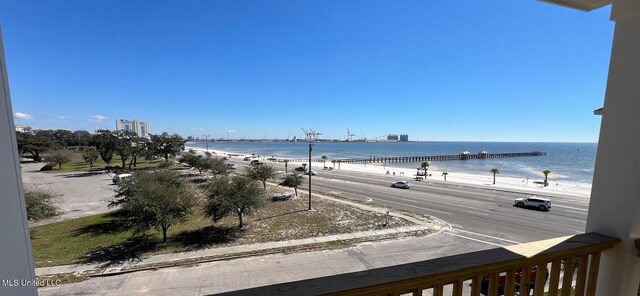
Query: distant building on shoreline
[
  {"x": 24, "y": 129},
  {"x": 404, "y": 138},
  {"x": 139, "y": 127}
]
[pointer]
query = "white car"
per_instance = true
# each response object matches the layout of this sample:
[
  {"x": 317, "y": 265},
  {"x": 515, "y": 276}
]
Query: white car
[
  {"x": 543, "y": 204},
  {"x": 119, "y": 178},
  {"x": 313, "y": 173},
  {"x": 401, "y": 184}
]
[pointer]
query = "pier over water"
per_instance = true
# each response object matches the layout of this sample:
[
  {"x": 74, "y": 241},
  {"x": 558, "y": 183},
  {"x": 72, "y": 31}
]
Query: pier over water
[{"x": 461, "y": 156}]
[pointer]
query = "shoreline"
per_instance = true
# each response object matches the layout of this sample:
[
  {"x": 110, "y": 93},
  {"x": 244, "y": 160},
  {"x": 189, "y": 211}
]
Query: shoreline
[{"x": 435, "y": 173}]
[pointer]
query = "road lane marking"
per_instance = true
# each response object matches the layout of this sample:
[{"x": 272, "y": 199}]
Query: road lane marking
[
  {"x": 576, "y": 212},
  {"x": 399, "y": 203},
  {"x": 473, "y": 239},
  {"x": 568, "y": 207},
  {"x": 426, "y": 209},
  {"x": 489, "y": 236},
  {"x": 478, "y": 213}
]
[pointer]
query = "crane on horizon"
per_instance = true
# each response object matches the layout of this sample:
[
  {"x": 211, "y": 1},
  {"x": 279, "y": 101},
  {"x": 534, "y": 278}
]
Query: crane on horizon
[
  {"x": 311, "y": 135},
  {"x": 350, "y": 135}
]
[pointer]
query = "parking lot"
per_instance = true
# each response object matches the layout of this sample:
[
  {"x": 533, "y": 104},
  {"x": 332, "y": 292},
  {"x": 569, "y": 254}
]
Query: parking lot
[{"x": 78, "y": 194}]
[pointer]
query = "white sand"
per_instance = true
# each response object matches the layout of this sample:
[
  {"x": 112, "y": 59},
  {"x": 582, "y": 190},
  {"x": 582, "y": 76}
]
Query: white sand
[{"x": 510, "y": 183}]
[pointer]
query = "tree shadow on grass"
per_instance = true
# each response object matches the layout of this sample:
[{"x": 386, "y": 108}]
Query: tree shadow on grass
[
  {"x": 192, "y": 175},
  {"x": 205, "y": 237},
  {"x": 135, "y": 247},
  {"x": 85, "y": 174},
  {"x": 116, "y": 254},
  {"x": 149, "y": 168},
  {"x": 199, "y": 180},
  {"x": 116, "y": 222}
]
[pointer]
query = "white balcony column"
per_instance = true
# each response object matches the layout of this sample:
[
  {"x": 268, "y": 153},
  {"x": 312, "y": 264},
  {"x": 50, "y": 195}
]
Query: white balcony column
[
  {"x": 16, "y": 259},
  {"x": 615, "y": 198}
]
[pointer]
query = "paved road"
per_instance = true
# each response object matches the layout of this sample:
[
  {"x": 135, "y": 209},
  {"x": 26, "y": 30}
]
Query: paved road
[
  {"x": 478, "y": 212},
  {"x": 485, "y": 211}
]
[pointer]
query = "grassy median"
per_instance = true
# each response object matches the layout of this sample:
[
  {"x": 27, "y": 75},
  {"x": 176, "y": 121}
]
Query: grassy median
[{"x": 106, "y": 237}]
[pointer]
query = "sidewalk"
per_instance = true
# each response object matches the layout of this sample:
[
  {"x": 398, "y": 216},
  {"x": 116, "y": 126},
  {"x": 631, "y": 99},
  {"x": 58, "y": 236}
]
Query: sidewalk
[
  {"x": 255, "y": 271},
  {"x": 213, "y": 254}
]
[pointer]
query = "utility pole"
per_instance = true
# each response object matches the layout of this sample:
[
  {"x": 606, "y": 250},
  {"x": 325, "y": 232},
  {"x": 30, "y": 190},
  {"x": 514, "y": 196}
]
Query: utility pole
[
  {"x": 310, "y": 148},
  {"x": 206, "y": 141}
]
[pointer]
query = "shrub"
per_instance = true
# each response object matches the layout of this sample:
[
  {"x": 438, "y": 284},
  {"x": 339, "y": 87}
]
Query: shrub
[
  {"x": 60, "y": 156},
  {"x": 241, "y": 196},
  {"x": 155, "y": 199},
  {"x": 49, "y": 166},
  {"x": 164, "y": 165},
  {"x": 39, "y": 203},
  {"x": 90, "y": 156},
  {"x": 282, "y": 197}
]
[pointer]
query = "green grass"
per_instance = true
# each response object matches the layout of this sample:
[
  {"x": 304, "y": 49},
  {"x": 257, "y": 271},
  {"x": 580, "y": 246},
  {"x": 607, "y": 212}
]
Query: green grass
[
  {"x": 106, "y": 237},
  {"x": 77, "y": 164},
  {"x": 61, "y": 243}
]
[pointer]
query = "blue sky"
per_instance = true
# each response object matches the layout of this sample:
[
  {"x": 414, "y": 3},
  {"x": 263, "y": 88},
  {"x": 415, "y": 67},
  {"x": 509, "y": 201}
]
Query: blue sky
[{"x": 437, "y": 70}]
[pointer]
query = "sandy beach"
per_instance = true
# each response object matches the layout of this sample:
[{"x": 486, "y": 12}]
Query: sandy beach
[{"x": 435, "y": 174}]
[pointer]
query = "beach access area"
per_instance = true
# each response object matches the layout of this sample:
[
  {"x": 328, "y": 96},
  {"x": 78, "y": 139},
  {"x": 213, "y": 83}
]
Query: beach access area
[{"x": 434, "y": 174}]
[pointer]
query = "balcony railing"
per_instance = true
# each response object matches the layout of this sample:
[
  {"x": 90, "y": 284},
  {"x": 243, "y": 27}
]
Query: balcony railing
[{"x": 559, "y": 266}]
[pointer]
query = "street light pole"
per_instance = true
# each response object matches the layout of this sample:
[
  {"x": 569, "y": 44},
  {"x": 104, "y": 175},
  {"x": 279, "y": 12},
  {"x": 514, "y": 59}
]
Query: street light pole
[
  {"x": 206, "y": 141},
  {"x": 310, "y": 148}
]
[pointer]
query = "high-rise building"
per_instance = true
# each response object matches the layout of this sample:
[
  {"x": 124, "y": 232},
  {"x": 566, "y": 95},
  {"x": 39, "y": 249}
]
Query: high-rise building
[
  {"x": 404, "y": 138},
  {"x": 24, "y": 129},
  {"x": 139, "y": 127}
]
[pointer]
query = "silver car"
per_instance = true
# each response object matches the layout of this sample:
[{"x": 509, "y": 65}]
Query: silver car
[
  {"x": 401, "y": 184},
  {"x": 543, "y": 204}
]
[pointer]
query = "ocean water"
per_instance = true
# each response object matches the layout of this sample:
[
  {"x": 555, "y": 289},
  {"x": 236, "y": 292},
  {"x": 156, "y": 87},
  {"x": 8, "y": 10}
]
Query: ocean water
[{"x": 572, "y": 162}]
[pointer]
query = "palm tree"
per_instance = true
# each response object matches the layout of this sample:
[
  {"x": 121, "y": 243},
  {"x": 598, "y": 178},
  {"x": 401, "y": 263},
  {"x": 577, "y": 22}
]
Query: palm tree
[
  {"x": 546, "y": 174},
  {"x": 286, "y": 162},
  {"x": 425, "y": 166},
  {"x": 324, "y": 161},
  {"x": 495, "y": 172},
  {"x": 304, "y": 167},
  {"x": 444, "y": 174},
  {"x": 339, "y": 161},
  {"x": 334, "y": 163}
]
